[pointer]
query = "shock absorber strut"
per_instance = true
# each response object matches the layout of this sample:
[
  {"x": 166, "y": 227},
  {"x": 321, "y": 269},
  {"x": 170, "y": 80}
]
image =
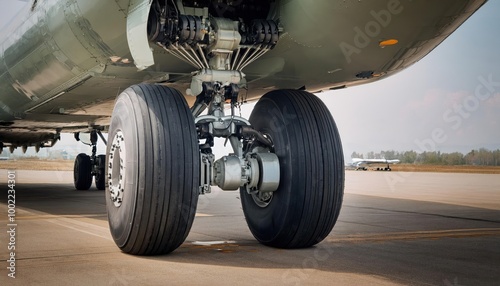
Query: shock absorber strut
[{"x": 255, "y": 171}]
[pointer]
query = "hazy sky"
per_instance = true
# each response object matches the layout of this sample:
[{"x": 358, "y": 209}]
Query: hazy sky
[
  {"x": 417, "y": 108},
  {"x": 402, "y": 111}
]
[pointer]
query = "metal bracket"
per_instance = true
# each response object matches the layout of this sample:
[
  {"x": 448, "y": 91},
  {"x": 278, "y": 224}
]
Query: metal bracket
[
  {"x": 258, "y": 172},
  {"x": 206, "y": 175},
  {"x": 223, "y": 77}
]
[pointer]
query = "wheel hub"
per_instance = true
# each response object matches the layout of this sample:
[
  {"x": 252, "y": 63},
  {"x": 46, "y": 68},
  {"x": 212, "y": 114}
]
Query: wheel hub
[
  {"x": 116, "y": 169},
  {"x": 262, "y": 199}
]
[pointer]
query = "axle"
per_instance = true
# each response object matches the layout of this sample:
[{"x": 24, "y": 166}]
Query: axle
[{"x": 256, "y": 170}]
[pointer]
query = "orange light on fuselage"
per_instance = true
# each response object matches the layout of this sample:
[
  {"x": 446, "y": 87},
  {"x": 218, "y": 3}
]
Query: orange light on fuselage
[{"x": 386, "y": 43}]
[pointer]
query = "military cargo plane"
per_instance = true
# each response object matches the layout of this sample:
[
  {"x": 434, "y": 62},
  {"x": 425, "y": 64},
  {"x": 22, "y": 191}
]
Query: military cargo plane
[{"x": 157, "y": 76}]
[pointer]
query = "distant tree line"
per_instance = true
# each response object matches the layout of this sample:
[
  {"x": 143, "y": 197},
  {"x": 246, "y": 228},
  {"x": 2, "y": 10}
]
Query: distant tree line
[{"x": 481, "y": 157}]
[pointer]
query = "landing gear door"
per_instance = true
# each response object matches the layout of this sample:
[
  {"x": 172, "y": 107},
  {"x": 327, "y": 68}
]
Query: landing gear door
[{"x": 137, "y": 23}]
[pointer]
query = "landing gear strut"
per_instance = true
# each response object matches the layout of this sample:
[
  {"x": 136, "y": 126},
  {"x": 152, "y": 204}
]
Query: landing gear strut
[
  {"x": 86, "y": 167},
  {"x": 257, "y": 170}
]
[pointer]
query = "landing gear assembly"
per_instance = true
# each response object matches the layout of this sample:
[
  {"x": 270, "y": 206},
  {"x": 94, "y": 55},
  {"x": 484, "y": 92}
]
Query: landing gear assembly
[
  {"x": 287, "y": 163},
  {"x": 87, "y": 167},
  {"x": 287, "y": 159}
]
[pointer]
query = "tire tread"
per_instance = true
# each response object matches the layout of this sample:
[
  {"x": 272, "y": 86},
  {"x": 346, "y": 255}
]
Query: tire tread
[
  {"x": 314, "y": 166},
  {"x": 167, "y": 142}
]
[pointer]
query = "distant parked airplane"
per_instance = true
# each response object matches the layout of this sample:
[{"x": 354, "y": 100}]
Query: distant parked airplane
[{"x": 362, "y": 164}]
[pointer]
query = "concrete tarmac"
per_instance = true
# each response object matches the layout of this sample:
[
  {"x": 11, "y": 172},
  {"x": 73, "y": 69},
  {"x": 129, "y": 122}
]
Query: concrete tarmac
[{"x": 394, "y": 229}]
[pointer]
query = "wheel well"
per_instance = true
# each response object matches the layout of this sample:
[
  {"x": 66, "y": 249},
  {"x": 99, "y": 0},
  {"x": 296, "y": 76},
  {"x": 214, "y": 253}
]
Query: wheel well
[
  {"x": 208, "y": 33},
  {"x": 245, "y": 10}
]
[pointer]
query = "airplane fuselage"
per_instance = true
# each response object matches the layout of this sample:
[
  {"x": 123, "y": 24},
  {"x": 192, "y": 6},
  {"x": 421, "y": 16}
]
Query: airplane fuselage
[{"x": 62, "y": 62}]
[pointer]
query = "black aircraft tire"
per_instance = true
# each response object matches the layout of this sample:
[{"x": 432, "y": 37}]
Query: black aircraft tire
[
  {"x": 82, "y": 172},
  {"x": 304, "y": 209},
  {"x": 153, "y": 157},
  {"x": 100, "y": 177}
]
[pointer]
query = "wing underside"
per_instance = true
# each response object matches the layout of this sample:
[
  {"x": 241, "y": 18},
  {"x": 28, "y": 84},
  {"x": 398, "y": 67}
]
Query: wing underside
[{"x": 65, "y": 64}]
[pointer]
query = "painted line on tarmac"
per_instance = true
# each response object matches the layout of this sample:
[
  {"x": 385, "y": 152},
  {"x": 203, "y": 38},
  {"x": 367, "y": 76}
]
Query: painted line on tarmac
[
  {"x": 51, "y": 216},
  {"x": 67, "y": 221},
  {"x": 391, "y": 236},
  {"x": 83, "y": 227}
]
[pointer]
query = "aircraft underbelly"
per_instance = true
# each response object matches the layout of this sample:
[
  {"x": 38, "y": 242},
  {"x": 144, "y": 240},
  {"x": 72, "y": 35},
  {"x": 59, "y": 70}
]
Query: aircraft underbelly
[
  {"x": 57, "y": 48},
  {"x": 70, "y": 55},
  {"x": 337, "y": 43}
]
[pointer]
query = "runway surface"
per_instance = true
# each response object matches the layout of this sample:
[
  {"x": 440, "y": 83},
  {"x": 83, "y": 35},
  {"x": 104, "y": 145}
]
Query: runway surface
[{"x": 394, "y": 229}]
